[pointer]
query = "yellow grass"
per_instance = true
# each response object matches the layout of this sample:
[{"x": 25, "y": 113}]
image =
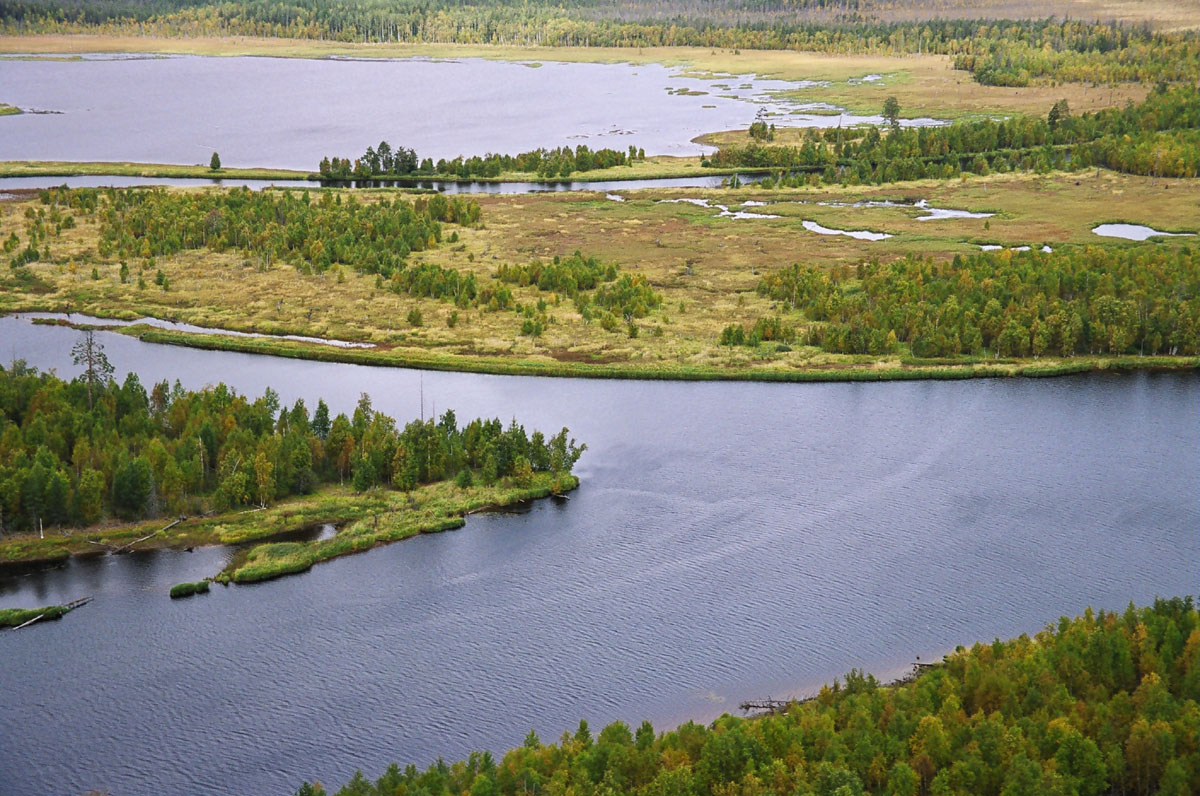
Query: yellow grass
[{"x": 706, "y": 267}]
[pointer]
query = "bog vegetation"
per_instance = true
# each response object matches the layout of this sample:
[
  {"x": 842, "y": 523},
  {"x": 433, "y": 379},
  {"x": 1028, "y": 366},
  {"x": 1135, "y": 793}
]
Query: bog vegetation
[
  {"x": 1103, "y": 703},
  {"x": 73, "y": 453},
  {"x": 271, "y": 226}
]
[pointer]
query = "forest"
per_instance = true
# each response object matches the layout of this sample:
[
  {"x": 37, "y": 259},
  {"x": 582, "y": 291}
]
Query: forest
[
  {"x": 1091, "y": 300},
  {"x": 268, "y": 227},
  {"x": 600, "y": 292},
  {"x": 1159, "y": 137},
  {"x": 384, "y": 161},
  {"x": 1105, "y": 703},
  {"x": 995, "y": 52},
  {"x": 73, "y": 453}
]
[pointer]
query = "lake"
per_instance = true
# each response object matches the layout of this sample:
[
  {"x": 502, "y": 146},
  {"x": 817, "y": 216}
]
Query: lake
[
  {"x": 289, "y": 113},
  {"x": 729, "y": 541}
]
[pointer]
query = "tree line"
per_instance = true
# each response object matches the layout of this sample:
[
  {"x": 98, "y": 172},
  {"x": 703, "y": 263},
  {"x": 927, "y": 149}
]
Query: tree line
[
  {"x": 1090, "y": 300},
  {"x": 383, "y": 161},
  {"x": 1105, "y": 703},
  {"x": 1158, "y": 137},
  {"x": 313, "y": 235},
  {"x": 997, "y": 52},
  {"x": 73, "y": 453}
]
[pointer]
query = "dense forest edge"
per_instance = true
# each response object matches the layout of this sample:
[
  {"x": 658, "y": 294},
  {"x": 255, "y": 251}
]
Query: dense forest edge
[
  {"x": 89, "y": 466},
  {"x": 1105, "y": 703}
]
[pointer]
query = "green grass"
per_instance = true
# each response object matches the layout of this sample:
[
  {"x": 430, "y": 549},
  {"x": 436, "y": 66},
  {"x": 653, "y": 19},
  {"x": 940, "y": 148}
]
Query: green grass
[
  {"x": 9, "y": 110},
  {"x": 654, "y": 168},
  {"x": 188, "y": 589},
  {"x": 366, "y": 520},
  {"x": 67, "y": 168},
  {"x": 440, "y": 507},
  {"x": 15, "y": 617},
  {"x": 843, "y": 370}
]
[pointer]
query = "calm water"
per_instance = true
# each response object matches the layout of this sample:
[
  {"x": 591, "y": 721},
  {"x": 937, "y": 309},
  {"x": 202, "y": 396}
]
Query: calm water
[
  {"x": 729, "y": 541},
  {"x": 443, "y": 186},
  {"x": 289, "y": 113}
]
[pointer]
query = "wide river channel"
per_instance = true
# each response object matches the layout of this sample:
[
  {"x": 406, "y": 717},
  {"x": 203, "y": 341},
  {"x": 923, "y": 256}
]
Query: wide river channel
[{"x": 729, "y": 541}]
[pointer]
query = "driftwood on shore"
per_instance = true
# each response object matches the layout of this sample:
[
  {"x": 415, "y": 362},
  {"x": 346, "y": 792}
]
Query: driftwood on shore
[
  {"x": 780, "y": 705},
  {"x": 769, "y": 705},
  {"x": 115, "y": 549}
]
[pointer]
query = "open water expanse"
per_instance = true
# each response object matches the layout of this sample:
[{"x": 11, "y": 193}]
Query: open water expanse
[
  {"x": 729, "y": 541},
  {"x": 289, "y": 113}
]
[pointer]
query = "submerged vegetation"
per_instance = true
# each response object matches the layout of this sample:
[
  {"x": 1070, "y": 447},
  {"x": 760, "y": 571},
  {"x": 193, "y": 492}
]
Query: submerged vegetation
[{"x": 1103, "y": 703}]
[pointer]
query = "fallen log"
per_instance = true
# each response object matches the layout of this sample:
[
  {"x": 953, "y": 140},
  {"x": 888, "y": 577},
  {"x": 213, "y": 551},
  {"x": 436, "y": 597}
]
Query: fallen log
[{"x": 123, "y": 548}]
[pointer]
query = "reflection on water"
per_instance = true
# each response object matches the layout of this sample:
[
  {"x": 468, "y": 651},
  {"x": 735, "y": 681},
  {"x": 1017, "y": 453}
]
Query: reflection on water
[{"x": 729, "y": 541}]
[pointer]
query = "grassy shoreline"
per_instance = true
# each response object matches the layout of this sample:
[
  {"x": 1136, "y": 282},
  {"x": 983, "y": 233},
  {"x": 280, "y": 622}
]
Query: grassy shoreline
[
  {"x": 899, "y": 368},
  {"x": 663, "y": 167},
  {"x": 366, "y": 521},
  {"x": 66, "y": 168}
]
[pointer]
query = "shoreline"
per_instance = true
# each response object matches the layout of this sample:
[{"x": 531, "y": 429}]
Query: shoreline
[
  {"x": 903, "y": 368},
  {"x": 656, "y": 167},
  {"x": 431, "y": 508}
]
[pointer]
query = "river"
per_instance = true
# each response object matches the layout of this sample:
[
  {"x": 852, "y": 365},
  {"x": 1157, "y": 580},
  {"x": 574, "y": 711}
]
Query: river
[
  {"x": 290, "y": 112},
  {"x": 729, "y": 541}
]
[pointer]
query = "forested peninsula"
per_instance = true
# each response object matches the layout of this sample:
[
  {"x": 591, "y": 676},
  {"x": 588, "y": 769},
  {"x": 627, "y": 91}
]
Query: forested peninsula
[
  {"x": 90, "y": 465},
  {"x": 1103, "y": 703}
]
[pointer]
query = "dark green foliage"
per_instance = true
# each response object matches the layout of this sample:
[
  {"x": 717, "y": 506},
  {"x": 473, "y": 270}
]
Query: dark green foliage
[
  {"x": 764, "y": 330},
  {"x": 384, "y": 162},
  {"x": 564, "y": 275},
  {"x": 132, "y": 484},
  {"x": 1096, "y": 300},
  {"x": 1159, "y": 137},
  {"x": 137, "y": 454},
  {"x": 1099, "y": 704},
  {"x": 188, "y": 589},
  {"x": 214, "y": 163},
  {"x": 273, "y": 226},
  {"x": 891, "y": 112}
]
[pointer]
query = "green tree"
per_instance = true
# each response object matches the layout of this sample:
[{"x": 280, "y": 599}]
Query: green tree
[
  {"x": 132, "y": 485},
  {"x": 214, "y": 163},
  {"x": 891, "y": 111},
  {"x": 90, "y": 495},
  {"x": 89, "y": 353}
]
